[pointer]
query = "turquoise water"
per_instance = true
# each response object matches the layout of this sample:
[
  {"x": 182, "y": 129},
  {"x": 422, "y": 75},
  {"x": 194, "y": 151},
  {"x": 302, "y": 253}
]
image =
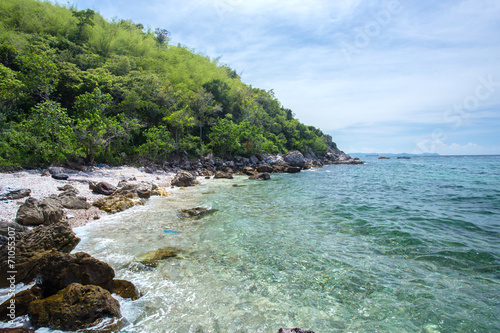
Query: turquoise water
[{"x": 389, "y": 246}]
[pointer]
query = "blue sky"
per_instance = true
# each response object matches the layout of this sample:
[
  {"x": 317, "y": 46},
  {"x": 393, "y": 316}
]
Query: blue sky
[{"x": 378, "y": 75}]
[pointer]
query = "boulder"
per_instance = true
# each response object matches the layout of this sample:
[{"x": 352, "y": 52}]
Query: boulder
[
  {"x": 6, "y": 227},
  {"x": 153, "y": 258},
  {"x": 295, "y": 158},
  {"x": 57, "y": 170},
  {"x": 294, "y": 330},
  {"x": 59, "y": 270},
  {"x": 17, "y": 330},
  {"x": 118, "y": 203},
  {"x": 102, "y": 188},
  {"x": 292, "y": 169},
  {"x": 222, "y": 174},
  {"x": 69, "y": 200},
  {"x": 68, "y": 188},
  {"x": 144, "y": 191},
  {"x": 125, "y": 289},
  {"x": 184, "y": 179},
  {"x": 265, "y": 168},
  {"x": 254, "y": 160},
  {"x": 34, "y": 212},
  {"x": 73, "y": 308},
  {"x": 32, "y": 246},
  {"x": 13, "y": 193},
  {"x": 197, "y": 212},
  {"x": 21, "y": 302},
  {"x": 249, "y": 171},
  {"x": 260, "y": 176}
]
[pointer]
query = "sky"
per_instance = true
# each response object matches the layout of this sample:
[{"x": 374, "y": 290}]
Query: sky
[{"x": 415, "y": 76}]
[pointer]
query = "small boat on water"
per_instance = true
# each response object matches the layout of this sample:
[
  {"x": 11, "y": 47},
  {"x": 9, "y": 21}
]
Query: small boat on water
[{"x": 403, "y": 157}]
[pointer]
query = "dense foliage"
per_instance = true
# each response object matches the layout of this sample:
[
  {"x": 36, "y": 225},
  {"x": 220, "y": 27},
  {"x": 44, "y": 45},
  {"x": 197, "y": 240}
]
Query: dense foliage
[{"x": 73, "y": 85}]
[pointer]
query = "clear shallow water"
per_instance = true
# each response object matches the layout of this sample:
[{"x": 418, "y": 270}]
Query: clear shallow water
[{"x": 390, "y": 246}]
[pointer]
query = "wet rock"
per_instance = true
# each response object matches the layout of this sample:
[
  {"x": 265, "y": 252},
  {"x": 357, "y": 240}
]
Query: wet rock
[
  {"x": 118, "y": 203},
  {"x": 32, "y": 246},
  {"x": 197, "y": 212},
  {"x": 249, "y": 171},
  {"x": 266, "y": 168},
  {"x": 160, "y": 192},
  {"x": 125, "y": 289},
  {"x": 73, "y": 308},
  {"x": 34, "y": 212},
  {"x": 261, "y": 176},
  {"x": 293, "y": 330},
  {"x": 13, "y": 193},
  {"x": 122, "y": 183},
  {"x": 292, "y": 169},
  {"x": 21, "y": 302},
  {"x": 102, "y": 188},
  {"x": 17, "y": 330},
  {"x": 59, "y": 270},
  {"x": 144, "y": 191},
  {"x": 184, "y": 179},
  {"x": 295, "y": 158},
  {"x": 153, "y": 258},
  {"x": 222, "y": 174}
]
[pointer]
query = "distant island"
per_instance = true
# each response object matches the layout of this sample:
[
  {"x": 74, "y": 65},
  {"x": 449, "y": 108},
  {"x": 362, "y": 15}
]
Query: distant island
[{"x": 390, "y": 154}]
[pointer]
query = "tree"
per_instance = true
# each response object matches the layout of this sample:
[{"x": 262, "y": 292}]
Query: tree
[
  {"x": 85, "y": 18},
  {"x": 159, "y": 144},
  {"x": 162, "y": 36},
  {"x": 203, "y": 107},
  {"x": 39, "y": 73}
]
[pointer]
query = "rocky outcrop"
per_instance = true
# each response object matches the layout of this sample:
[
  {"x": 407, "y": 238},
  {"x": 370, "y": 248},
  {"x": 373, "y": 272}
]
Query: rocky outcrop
[
  {"x": 102, "y": 188},
  {"x": 266, "y": 168},
  {"x": 160, "y": 192},
  {"x": 260, "y": 176},
  {"x": 125, "y": 289},
  {"x": 197, "y": 212},
  {"x": 153, "y": 258},
  {"x": 21, "y": 302},
  {"x": 34, "y": 212},
  {"x": 59, "y": 270},
  {"x": 295, "y": 158},
  {"x": 73, "y": 308},
  {"x": 184, "y": 179},
  {"x": 249, "y": 171},
  {"x": 118, "y": 203},
  {"x": 13, "y": 193},
  {"x": 31, "y": 247},
  {"x": 69, "y": 200},
  {"x": 292, "y": 169},
  {"x": 223, "y": 175}
]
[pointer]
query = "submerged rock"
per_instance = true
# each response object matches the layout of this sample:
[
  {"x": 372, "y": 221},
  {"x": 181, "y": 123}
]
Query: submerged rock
[
  {"x": 59, "y": 270},
  {"x": 160, "y": 192},
  {"x": 73, "y": 308},
  {"x": 197, "y": 212},
  {"x": 32, "y": 246},
  {"x": 125, "y": 289},
  {"x": 293, "y": 330},
  {"x": 184, "y": 179},
  {"x": 223, "y": 175},
  {"x": 153, "y": 258}
]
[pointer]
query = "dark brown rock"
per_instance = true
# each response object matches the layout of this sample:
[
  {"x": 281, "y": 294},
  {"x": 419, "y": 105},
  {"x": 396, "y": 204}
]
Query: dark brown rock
[
  {"x": 197, "y": 212},
  {"x": 125, "y": 289},
  {"x": 293, "y": 330},
  {"x": 69, "y": 200},
  {"x": 266, "y": 168},
  {"x": 12, "y": 227},
  {"x": 102, "y": 188},
  {"x": 32, "y": 246},
  {"x": 21, "y": 302},
  {"x": 144, "y": 191},
  {"x": 59, "y": 270},
  {"x": 260, "y": 176},
  {"x": 73, "y": 308},
  {"x": 60, "y": 176},
  {"x": 17, "y": 330},
  {"x": 292, "y": 169},
  {"x": 45, "y": 211},
  {"x": 249, "y": 171},
  {"x": 184, "y": 179}
]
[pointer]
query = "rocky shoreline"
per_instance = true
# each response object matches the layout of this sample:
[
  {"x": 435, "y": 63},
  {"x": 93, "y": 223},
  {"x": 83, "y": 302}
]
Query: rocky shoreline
[{"x": 72, "y": 291}]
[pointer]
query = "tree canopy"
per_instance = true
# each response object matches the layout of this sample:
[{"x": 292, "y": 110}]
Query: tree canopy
[{"x": 74, "y": 85}]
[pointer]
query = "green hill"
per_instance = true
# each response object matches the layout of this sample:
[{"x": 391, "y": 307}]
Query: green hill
[{"x": 74, "y": 85}]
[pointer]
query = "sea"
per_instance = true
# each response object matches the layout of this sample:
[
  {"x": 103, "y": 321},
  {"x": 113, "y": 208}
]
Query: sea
[{"x": 398, "y": 245}]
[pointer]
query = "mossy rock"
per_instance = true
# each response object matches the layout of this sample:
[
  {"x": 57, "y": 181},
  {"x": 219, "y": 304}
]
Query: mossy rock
[
  {"x": 115, "y": 204},
  {"x": 153, "y": 258},
  {"x": 196, "y": 213}
]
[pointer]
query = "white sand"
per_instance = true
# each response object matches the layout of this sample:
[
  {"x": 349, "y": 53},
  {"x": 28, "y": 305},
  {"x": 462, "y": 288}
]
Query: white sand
[{"x": 41, "y": 187}]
